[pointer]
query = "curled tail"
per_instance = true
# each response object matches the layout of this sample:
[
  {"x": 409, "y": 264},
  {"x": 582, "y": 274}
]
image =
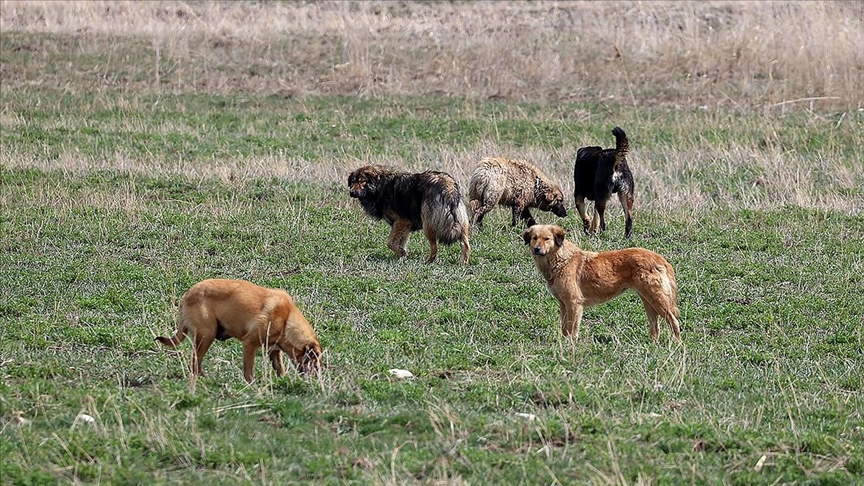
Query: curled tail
[{"x": 622, "y": 146}]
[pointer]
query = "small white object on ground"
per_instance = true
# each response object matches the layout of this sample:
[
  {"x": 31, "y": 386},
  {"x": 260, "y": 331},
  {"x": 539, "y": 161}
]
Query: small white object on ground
[
  {"x": 396, "y": 372},
  {"x": 85, "y": 418}
]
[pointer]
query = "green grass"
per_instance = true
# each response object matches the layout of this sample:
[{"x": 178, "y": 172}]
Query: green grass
[
  {"x": 117, "y": 195},
  {"x": 94, "y": 263},
  {"x": 204, "y": 127}
]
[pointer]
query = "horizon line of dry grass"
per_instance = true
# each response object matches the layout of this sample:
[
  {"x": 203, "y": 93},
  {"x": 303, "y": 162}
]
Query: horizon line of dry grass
[{"x": 767, "y": 55}]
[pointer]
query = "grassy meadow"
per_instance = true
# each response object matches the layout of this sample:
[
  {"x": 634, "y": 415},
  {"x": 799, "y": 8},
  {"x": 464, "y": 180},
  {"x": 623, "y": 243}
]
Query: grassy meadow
[{"x": 145, "y": 146}]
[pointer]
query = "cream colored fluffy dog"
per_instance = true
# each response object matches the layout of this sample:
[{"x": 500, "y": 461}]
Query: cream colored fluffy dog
[
  {"x": 258, "y": 316},
  {"x": 580, "y": 279},
  {"x": 516, "y": 184}
]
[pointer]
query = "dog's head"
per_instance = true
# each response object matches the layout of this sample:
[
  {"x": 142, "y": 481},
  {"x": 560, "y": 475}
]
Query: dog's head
[
  {"x": 553, "y": 200},
  {"x": 310, "y": 359},
  {"x": 363, "y": 181},
  {"x": 544, "y": 239}
]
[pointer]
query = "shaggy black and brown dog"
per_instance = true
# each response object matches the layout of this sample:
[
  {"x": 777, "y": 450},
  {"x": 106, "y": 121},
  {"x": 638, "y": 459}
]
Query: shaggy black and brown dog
[
  {"x": 600, "y": 173},
  {"x": 408, "y": 202}
]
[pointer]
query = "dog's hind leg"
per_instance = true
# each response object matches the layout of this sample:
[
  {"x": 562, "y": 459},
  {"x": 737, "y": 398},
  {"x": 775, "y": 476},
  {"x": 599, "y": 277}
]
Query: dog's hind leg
[
  {"x": 432, "y": 236},
  {"x": 478, "y": 213},
  {"x": 653, "y": 328},
  {"x": 250, "y": 346},
  {"x": 658, "y": 302},
  {"x": 476, "y": 218},
  {"x": 205, "y": 326},
  {"x": 626, "y": 199},
  {"x": 580, "y": 206},
  {"x": 670, "y": 315},
  {"x": 398, "y": 239},
  {"x": 599, "y": 221},
  {"x": 463, "y": 242},
  {"x": 203, "y": 340}
]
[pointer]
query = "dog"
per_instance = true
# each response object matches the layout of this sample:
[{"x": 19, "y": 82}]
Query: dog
[
  {"x": 598, "y": 174},
  {"x": 408, "y": 202},
  {"x": 516, "y": 184},
  {"x": 580, "y": 279},
  {"x": 258, "y": 316}
]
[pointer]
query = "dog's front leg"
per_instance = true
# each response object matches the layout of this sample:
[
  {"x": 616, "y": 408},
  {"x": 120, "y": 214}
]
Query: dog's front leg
[
  {"x": 250, "y": 346},
  {"x": 514, "y": 215},
  {"x": 398, "y": 239},
  {"x": 571, "y": 317},
  {"x": 526, "y": 216},
  {"x": 276, "y": 359}
]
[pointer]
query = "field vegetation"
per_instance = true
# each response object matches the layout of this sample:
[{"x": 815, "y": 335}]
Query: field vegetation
[{"x": 145, "y": 146}]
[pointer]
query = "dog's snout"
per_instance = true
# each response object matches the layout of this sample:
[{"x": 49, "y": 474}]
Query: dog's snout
[{"x": 538, "y": 250}]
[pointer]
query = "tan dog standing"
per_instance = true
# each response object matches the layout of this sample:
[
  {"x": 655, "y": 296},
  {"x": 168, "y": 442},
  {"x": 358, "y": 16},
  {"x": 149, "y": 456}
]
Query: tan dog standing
[
  {"x": 258, "y": 316},
  {"x": 580, "y": 279}
]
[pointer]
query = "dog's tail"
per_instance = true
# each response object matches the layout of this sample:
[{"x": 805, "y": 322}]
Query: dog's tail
[
  {"x": 477, "y": 187},
  {"x": 622, "y": 146},
  {"x": 670, "y": 287},
  {"x": 174, "y": 341},
  {"x": 446, "y": 213}
]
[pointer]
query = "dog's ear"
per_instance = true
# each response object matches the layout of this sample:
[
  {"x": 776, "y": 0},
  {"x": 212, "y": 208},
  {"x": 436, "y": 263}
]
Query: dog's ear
[
  {"x": 527, "y": 236},
  {"x": 559, "y": 234}
]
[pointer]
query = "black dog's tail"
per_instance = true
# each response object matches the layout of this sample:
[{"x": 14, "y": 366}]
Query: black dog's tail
[{"x": 622, "y": 146}]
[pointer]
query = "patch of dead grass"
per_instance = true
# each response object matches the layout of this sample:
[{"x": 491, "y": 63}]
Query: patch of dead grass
[{"x": 717, "y": 53}]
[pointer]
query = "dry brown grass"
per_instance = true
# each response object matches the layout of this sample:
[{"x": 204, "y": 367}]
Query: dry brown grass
[
  {"x": 720, "y": 53},
  {"x": 763, "y": 58}
]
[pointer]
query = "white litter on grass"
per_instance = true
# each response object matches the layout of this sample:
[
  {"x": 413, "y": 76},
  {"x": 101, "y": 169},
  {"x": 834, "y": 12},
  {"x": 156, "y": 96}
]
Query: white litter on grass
[
  {"x": 760, "y": 463},
  {"x": 83, "y": 417},
  {"x": 527, "y": 416},
  {"x": 403, "y": 374}
]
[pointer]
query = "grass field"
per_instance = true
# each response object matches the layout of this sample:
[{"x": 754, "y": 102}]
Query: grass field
[{"x": 147, "y": 146}]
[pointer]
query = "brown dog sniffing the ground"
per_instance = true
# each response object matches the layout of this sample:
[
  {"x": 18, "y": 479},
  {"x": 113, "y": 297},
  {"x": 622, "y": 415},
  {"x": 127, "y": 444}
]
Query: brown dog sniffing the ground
[
  {"x": 580, "y": 279},
  {"x": 258, "y": 316}
]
